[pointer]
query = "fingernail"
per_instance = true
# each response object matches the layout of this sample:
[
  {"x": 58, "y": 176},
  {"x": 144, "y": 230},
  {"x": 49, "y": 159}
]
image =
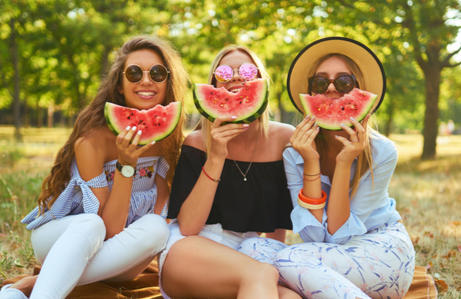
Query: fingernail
[
  {"x": 127, "y": 128},
  {"x": 134, "y": 128},
  {"x": 233, "y": 117},
  {"x": 341, "y": 125},
  {"x": 245, "y": 125},
  {"x": 352, "y": 118},
  {"x": 139, "y": 132},
  {"x": 153, "y": 142}
]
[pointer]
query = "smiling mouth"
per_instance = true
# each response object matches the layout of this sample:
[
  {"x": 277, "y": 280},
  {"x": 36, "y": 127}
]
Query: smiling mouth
[
  {"x": 146, "y": 93},
  {"x": 235, "y": 89}
]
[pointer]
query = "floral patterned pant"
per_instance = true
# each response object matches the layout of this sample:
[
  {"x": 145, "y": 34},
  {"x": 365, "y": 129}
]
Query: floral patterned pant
[{"x": 378, "y": 264}]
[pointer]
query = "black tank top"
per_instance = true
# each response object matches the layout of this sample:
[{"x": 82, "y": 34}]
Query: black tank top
[{"x": 261, "y": 204}]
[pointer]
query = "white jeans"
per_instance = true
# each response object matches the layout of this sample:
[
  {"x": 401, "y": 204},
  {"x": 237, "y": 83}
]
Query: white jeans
[{"x": 73, "y": 252}]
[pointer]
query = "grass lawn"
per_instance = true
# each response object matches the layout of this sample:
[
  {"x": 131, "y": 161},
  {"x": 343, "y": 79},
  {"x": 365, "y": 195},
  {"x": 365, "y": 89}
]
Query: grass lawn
[{"x": 428, "y": 195}]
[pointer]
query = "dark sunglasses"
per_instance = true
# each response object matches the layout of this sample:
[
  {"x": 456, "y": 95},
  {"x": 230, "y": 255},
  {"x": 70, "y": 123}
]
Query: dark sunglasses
[
  {"x": 134, "y": 73},
  {"x": 343, "y": 83},
  {"x": 246, "y": 71}
]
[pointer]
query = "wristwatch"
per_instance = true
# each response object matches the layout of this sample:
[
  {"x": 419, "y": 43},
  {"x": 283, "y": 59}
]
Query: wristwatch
[{"x": 126, "y": 170}]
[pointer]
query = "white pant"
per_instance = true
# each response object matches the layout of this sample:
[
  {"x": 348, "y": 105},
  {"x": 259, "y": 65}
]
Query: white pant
[{"x": 73, "y": 252}]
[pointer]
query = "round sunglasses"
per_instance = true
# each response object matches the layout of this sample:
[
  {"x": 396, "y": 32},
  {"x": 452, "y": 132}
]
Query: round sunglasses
[
  {"x": 343, "y": 83},
  {"x": 157, "y": 73},
  {"x": 225, "y": 73}
]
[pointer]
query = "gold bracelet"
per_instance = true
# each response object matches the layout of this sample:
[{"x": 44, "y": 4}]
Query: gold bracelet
[
  {"x": 317, "y": 174},
  {"x": 307, "y": 179},
  {"x": 309, "y": 206}
]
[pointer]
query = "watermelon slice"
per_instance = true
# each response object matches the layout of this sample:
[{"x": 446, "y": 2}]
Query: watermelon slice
[
  {"x": 155, "y": 123},
  {"x": 247, "y": 104},
  {"x": 330, "y": 113}
]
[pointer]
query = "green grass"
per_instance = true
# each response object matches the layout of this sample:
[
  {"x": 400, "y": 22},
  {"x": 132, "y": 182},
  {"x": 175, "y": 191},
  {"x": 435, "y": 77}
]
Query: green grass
[{"x": 428, "y": 195}]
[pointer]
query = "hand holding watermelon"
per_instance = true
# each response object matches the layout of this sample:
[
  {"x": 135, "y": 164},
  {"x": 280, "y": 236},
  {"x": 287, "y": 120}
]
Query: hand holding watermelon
[
  {"x": 127, "y": 142},
  {"x": 221, "y": 134},
  {"x": 303, "y": 139},
  {"x": 356, "y": 143}
]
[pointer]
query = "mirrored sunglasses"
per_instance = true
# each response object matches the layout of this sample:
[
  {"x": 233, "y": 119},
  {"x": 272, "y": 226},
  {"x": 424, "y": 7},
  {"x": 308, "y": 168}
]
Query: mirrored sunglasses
[
  {"x": 343, "y": 83},
  {"x": 157, "y": 73},
  {"x": 246, "y": 71}
]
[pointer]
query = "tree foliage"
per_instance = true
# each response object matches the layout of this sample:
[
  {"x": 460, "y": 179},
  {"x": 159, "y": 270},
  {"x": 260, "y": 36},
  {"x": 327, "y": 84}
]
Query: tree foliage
[{"x": 54, "y": 53}]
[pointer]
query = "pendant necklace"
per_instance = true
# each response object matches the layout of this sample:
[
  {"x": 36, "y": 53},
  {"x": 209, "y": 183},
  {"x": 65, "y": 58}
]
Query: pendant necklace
[{"x": 244, "y": 174}]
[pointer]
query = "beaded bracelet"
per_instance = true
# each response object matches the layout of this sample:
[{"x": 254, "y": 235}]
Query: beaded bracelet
[{"x": 208, "y": 176}]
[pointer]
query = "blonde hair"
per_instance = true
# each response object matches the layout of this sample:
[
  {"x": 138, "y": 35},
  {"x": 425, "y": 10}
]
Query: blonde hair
[
  {"x": 205, "y": 124},
  {"x": 365, "y": 159},
  {"x": 93, "y": 115}
]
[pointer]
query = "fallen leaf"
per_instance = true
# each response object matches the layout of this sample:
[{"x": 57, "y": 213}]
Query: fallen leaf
[
  {"x": 442, "y": 286},
  {"x": 450, "y": 254},
  {"x": 429, "y": 234}
]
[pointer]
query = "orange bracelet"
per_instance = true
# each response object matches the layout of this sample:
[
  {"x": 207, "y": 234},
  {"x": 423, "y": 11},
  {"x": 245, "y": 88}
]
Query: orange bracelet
[
  {"x": 310, "y": 200},
  {"x": 309, "y": 206},
  {"x": 208, "y": 176}
]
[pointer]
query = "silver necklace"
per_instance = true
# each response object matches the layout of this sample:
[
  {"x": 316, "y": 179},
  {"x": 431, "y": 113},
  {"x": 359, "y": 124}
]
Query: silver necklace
[{"x": 244, "y": 174}]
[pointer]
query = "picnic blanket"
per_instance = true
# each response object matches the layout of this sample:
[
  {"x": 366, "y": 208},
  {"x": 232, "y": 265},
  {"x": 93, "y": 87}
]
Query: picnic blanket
[{"x": 145, "y": 285}]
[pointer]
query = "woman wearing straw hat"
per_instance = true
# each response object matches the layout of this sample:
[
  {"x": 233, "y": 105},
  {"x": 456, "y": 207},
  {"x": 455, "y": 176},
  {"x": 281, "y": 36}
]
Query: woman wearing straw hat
[{"x": 355, "y": 245}]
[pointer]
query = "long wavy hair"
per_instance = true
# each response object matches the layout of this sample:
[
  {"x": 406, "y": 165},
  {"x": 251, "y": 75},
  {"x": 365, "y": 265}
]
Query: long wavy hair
[
  {"x": 365, "y": 159},
  {"x": 264, "y": 118},
  {"x": 92, "y": 116}
]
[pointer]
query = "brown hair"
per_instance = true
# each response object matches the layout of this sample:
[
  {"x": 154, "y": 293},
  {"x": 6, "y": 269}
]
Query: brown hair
[
  {"x": 264, "y": 118},
  {"x": 365, "y": 159},
  {"x": 93, "y": 115}
]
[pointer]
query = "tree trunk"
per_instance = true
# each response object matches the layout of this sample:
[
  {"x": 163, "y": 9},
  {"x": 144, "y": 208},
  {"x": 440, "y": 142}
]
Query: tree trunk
[
  {"x": 13, "y": 47},
  {"x": 432, "y": 76},
  {"x": 389, "y": 118},
  {"x": 39, "y": 112},
  {"x": 50, "y": 116},
  {"x": 105, "y": 61}
]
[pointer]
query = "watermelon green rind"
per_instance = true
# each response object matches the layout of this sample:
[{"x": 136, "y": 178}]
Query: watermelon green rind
[
  {"x": 111, "y": 121},
  {"x": 335, "y": 125},
  {"x": 248, "y": 117}
]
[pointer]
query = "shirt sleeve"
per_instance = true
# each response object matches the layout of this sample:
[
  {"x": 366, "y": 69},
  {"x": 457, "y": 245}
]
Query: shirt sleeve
[
  {"x": 304, "y": 223},
  {"x": 372, "y": 192},
  {"x": 63, "y": 204}
]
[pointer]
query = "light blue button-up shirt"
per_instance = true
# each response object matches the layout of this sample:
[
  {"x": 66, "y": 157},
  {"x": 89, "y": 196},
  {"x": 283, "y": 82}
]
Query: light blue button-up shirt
[{"x": 370, "y": 207}]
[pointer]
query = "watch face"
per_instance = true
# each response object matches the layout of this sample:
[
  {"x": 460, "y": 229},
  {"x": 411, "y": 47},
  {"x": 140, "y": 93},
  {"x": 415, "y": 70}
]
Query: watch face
[{"x": 127, "y": 171}]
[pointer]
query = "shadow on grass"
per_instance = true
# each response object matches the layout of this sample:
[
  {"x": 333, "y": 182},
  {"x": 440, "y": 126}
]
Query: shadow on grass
[{"x": 446, "y": 164}]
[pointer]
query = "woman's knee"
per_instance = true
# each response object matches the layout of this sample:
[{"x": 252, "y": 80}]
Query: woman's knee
[
  {"x": 152, "y": 232},
  {"x": 90, "y": 225},
  {"x": 260, "y": 273}
]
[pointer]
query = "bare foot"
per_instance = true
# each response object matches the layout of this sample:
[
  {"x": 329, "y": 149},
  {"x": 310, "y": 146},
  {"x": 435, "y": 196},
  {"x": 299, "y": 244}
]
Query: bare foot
[{"x": 25, "y": 284}]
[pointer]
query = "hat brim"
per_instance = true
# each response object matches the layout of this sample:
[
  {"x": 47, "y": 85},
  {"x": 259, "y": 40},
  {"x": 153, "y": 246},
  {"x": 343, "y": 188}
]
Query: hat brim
[{"x": 366, "y": 60}]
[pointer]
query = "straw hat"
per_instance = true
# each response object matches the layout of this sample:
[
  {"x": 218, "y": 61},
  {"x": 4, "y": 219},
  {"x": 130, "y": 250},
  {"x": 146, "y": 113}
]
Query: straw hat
[{"x": 369, "y": 64}]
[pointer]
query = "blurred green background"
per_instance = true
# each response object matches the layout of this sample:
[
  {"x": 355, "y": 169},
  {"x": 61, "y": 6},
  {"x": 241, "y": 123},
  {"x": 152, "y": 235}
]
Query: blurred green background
[{"x": 53, "y": 53}]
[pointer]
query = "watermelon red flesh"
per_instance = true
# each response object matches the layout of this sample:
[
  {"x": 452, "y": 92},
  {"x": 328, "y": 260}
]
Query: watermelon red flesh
[
  {"x": 330, "y": 113},
  {"x": 155, "y": 123},
  {"x": 247, "y": 104}
]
